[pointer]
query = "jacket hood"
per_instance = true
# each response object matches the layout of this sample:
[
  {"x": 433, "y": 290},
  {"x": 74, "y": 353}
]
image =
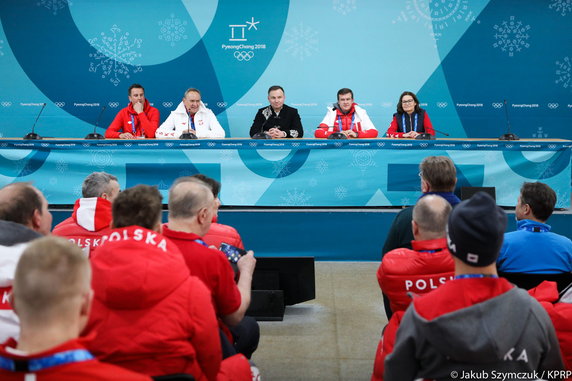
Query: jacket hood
[
  {"x": 146, "y": 107},
  {"x": 12, "y": 233},
  {"x": 135, "y": 268},
  {"x": 339, "y": 109},
  {"x": 92, "y": 214},
  {"x": 476, "y": 333}
]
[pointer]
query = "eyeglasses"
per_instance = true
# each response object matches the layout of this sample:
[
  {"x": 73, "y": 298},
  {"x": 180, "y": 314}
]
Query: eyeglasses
[
  {"x": 420, "y": 174},
  {"x": 408, "y": 101}
]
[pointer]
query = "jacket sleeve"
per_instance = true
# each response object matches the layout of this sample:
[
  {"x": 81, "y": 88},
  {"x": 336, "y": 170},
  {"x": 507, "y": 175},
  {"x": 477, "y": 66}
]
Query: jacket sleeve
[
  {"x": 116, "y": 127},
  {"x": 205, "y": 338},
  {"x": 392, "y": 130},
  {"x": 324, "y": 129},
  {"x": 149, "y": 121},
  {"x": 427, "y": 125},
  {"x": 552, "y": 357},
  {"x": 257, "y": 123},
  {"x": 216, "y": 131},
  {"x": 167, "y": 129},
  {"x": 295, "y": 126},
  {"x": 401, "y": 364},
  {"x": 367, "y": 130},
  {"x": 400, "y": 233},
  {"x": 386, "y": 344}
]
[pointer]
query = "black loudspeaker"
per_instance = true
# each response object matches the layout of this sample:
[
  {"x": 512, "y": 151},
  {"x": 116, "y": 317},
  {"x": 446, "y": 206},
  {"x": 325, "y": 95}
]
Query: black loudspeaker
[{"x": 468, "y": 192}]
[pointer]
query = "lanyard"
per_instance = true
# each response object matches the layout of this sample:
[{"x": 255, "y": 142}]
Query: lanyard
[
  {"x": 351, "y": 125},
  {"x": 191, "y": 121},
  {"x": 133, "y": 124},
  {"x": 536, "y": 229},
  {"x": 37, "y": 364},
  {"x": 198, "y": 240},
  {"x": 413, "y": 128},
  {"x": 467, "y": 276}
]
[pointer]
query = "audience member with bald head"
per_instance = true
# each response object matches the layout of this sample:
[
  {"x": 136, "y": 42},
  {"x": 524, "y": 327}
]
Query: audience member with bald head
[
  {"x": 52, "y": 296},
  {"x": 24, "y": 216},
  {"x": 192, "y": 207}
]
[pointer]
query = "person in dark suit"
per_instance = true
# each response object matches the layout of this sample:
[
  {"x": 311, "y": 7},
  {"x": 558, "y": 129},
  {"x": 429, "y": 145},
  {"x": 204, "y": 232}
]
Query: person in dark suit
[{"x": 277, "y": 119}]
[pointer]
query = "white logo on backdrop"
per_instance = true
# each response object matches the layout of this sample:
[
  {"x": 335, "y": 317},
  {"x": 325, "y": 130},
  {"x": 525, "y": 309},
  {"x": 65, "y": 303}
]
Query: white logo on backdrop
[
  {"x": 511, "y": 36},
  {"x": 172, "y": 30}
]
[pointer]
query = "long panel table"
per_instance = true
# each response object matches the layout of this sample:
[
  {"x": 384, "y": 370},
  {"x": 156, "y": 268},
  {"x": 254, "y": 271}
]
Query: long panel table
[{"x": 293, "y": 172}]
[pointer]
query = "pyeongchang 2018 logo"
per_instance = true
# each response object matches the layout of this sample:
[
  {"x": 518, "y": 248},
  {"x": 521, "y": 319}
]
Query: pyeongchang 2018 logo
[{"x": 238, "y": 44}]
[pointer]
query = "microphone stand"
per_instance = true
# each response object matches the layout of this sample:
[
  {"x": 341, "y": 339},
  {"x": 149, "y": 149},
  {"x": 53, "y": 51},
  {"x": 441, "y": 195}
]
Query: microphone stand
[
  {"x": 428, "y": 136},
  {"x": 94, "y": 135},
  {"x": 188, "y": 135},
  {"x": 261, "y": 134},
  {"x": 32, "y": 135},
  {"x": 508, "y": 135}
]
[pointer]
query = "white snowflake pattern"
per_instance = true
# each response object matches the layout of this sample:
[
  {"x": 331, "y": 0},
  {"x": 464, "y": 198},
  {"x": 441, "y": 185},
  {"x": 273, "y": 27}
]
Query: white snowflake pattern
[
  {"x": 226, "y": 155},
  {"x": 281, "y": 168},
  {"x": 54, "y": 5},
  {"x": 405, "y": 201},
  {"x": 322, "y": 166},
  {"x": 363, "y": 160},
  {"x": 23, "y": 167},
  {"x": 561, "y": 6},
  {"x": 101, "y": 159},
  {"x": 563, "y": 72},
  {"x": 115, "y": 55},
  {"x": 540, "y": 134},
  {"x": 511, "y": 36},
  {"x": 341, "y": 192},
  {"x": 294, "y": 197},
  {"x": 436, "y": 14},
  {"x": 344, "y": 6},
  {"x": 172, "y": 30},
  {"x": 61, "y": 166},
  {"x": 301, "y": 41}
]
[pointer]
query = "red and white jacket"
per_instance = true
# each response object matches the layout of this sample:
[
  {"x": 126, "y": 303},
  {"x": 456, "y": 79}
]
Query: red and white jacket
[
  {"x": 219, "y": 233},
  {"x": 416, "y": 271},
  {"x": 90, "y": 220},
  {"x": 146, "y": 123},
  {"x": 356, "y": 119}
]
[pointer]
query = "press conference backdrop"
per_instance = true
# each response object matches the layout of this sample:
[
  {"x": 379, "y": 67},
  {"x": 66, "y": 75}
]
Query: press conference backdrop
[{"x": 462, "y": 57}]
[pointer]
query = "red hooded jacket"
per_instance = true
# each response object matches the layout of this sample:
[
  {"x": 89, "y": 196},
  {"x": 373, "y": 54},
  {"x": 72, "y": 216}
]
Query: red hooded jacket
[{"x": 146, "y": 123}]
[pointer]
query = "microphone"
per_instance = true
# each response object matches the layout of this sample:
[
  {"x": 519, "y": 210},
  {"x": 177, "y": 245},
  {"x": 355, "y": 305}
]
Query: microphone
[
  {"x": 188, "y": 135},
  {"x": 95, "y": 135},
  {"x": 261, "y": 134},
  {"x": 32, "y": 135},
  {"x": 428, "y": 136},
  {"x": 508, "y": 135}
]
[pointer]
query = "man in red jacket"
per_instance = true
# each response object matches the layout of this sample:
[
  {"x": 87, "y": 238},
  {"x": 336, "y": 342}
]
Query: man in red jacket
[
  {"x": 138, "y": 120},
  {"x": 53, "y": 297},
  {"x": 91, "y": 217}
]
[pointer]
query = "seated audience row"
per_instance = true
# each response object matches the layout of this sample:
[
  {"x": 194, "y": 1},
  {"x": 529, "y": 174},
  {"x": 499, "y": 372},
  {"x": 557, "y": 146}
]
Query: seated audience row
[{"x": 277, "y": 120}]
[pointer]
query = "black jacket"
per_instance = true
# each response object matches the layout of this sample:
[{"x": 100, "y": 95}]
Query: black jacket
[{"x": 288, "y": 121}]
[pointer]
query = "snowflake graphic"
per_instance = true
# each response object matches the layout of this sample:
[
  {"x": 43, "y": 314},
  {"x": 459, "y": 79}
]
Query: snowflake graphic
[
  {"x": 341, "y": 192},
  {"x": 280, "y": 168},
  {"x": 54, "y": 5},
  {"x": 23, "y": 168},
  {"x": 322, "y": 166},
  {"x": 226, "y": 155},
  {"x": 563, "y": 72},
  {"x": 562, "y": 6},
  {"x": 301, "y": 41},
  {"x": 61, "y": 166},
  {"x": 115, "y": 55},
  {"x": 344, "y": 6},
  {"x": 540, "y": 134},
  {"x": 162, "y": 185},
  {"x": 363, "y": 160},
  {"x": 405, "y": 201},
  {"x": 436, "y": 14},
  {"x": 511, "y": 36},
  {"x": 101, "y": 159},
  {"x": 295, "y": 198},
  {"x": 172, "y": 30}
]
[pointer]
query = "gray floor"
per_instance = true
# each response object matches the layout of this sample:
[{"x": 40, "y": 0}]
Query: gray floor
[{"x": 333, "y": 337}]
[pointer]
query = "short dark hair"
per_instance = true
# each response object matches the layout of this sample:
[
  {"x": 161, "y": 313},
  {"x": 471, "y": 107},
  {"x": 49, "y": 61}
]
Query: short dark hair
[
  {"x": 139, "y": 205},
  {"x": 186, "y": 202},
  {"x": 400, "y": 106},
  {"x": 439, "y": 172},
  {"x": 540, "y": 197},
  {"x": 275, "y": 87},
  {"x": 135, "y": 86},
  {"x": 344, "y": 91},
  {"x": 209, "y": 182},
  {"x": 96, "y": 184},
  {"x": 22, "y": 203}
]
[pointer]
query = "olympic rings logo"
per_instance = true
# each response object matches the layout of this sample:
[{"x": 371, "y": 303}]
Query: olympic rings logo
[
  {"x": 6, "y": 104},
  {"x": 295, "y": 144},
  {"x": 128, "y": 144},
  {"x": 113, "y": 104},
  {"x": 382, "y": 144},
  {"x": 169, "y": 144},
  {"x": 423, "y": 145},
  {"x": 211, "y": 144},
  {"x": 497, "y": 105},
  {"x": 60, "y": 104},
  {"x": 552, "y": 146},
  {"x": 466, "y": 146},
  {"x": 85, "y": 145},
  {"x": 167, "y": 104},
  {"x": 222, "y": 104},
  {"x": 441, "y": 104},
  {"x": 45, "y": 145},
  {"x": 243, "y": 55},
  {"x": 509, "y": 146},
  {"x": 553, "y": 106},
  {"x": 252, "y": 144}
]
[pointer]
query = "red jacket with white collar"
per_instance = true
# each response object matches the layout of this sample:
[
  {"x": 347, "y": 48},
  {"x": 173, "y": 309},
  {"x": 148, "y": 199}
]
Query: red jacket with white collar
[{"x": 146, "y": 123}]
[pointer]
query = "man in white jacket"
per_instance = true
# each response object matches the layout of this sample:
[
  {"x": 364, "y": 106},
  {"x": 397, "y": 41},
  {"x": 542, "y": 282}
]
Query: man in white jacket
[{"x": 191, "y": 115}]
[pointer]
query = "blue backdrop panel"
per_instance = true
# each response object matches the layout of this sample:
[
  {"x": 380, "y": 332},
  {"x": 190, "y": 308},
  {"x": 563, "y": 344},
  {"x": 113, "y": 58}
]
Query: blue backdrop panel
[
  {"x": 464, "y": 58},
  {"x": 377, "y": 172}
]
